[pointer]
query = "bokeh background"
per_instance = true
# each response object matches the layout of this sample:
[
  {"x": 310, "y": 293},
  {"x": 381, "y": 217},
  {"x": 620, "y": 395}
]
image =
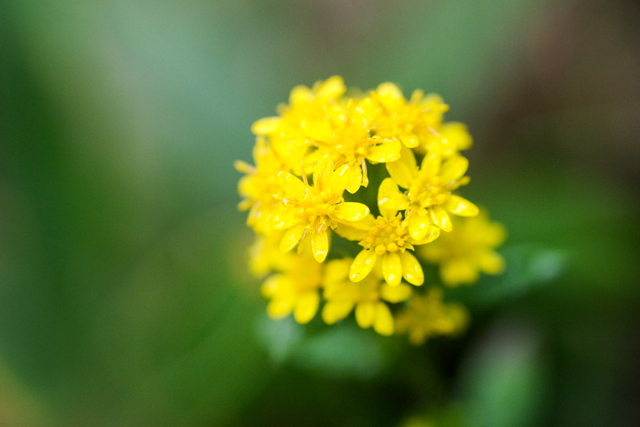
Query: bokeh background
[{"x": 124, "y": 296}]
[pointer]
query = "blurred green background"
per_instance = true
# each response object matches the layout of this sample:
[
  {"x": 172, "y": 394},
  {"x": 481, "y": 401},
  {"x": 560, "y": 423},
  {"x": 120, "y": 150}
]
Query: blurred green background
[{"x": 124, "y": 296}]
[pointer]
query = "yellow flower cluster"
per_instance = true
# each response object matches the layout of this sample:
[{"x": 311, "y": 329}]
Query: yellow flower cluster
[{"x": 312, "y": 164}]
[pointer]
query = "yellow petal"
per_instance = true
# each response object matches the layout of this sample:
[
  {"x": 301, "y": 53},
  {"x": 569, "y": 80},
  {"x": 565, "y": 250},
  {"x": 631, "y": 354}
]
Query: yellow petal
[
  {"x": 400, "y": 173},
  {"x": 322, "y": 167},
  {"x": 399, "y": 293},
  {"x": 337, "y": 181},
  {"x": 271, "y": 285},
  {"x": 300, "y": 94},
  {"x": 383, "y": 323},
  {"x": 389, "y": 89},
  {"x": 461, "y": 206},
  {"x": 266, "y": 126},
  {"x": 457, "y": 134},
  {"x": 365, "y": 314},
  {"x": 440, "y": 218},
  {"x": 432, "y": 234},
  {"x": 387, "y": 151},
  {"x": 352, "y": 211},
  {"x": 337, "y": 271},
  {"x": 458, "y": 271},
  {"x": 350, "y": 233},
  {"x": 336, "y": 310},
  {"x": 333, "y": 87},
  {"x": 409, "y": 140},
  {"x": 291, "y": 238},
  {"x": 243, "y": 167},
  {"x": 362, "y": 265},
  {"x": 411, "y": 269},
  {"x": 279, "y": 308},
  {"x": 431, "y": 163},
  {"x": 454, "y": 168},
  {"x": 306, "y": 307},
  {"x": 419, "y": 226},
  {"x": 293, "y": 187},
  {"x": 354, "y": 179},
  {"x": 283, "y": 219},
  {"x": 320, "y": 245},
  {"x": 390, "y": 199},
  {"x": 392, "y": 268},
  {"x": 491, "y": 262}
]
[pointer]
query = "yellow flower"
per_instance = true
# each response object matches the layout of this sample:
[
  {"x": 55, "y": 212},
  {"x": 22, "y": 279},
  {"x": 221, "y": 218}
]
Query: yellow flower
[
  {"x": 295, "y": 289},
  {"x": 467, "y": 250},
  {"x": 347, "y": 139},
  {"x": 366, "y": 296},
  {"x": 308, "y": 211},
  {"x": 265, "y": 255},
  {"x": 309, "y": 110},
  {"x": 428, "y": 316},
  {"x": 260, "y": 187},
  {"x": 418, "y": 122},
  {"x": 386, "y": 238},
  {"x": 429, "y": 198}
]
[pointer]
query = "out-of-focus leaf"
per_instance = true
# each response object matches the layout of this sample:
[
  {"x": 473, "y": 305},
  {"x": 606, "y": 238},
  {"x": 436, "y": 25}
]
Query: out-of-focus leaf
[
  {"x": 504, "y": 379},
  {"x": 342, "y": 351},
  {"x": 528, "y": 268},
  {"x": 280, "y": 337}
]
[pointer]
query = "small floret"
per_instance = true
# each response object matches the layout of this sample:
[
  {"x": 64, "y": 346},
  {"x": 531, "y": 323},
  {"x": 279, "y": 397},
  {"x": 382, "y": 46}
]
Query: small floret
[
  {"x": 428, "y": 316},
  {"x": 467, "y": 251}
]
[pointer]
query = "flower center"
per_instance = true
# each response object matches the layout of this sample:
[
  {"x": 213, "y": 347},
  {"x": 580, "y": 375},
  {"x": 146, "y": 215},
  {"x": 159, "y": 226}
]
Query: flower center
[{"x": 387, "y": 235}]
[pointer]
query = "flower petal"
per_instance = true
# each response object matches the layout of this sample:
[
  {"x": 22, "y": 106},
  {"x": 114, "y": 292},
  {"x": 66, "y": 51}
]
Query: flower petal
[
  {"x": 419, "y": 226},
  {"x": 365, "y": 314},
  {"x": 349, "y": 232},
  {"x": 279, "y": 308},
  {"x": 409, "y": 140},
  {"x": 336, "y": 310},
  {"x": 392, "y": 268},
  {"x": 432, "y": 234},
  {"x": 454, "y": 168},
  {"x": 383, "y": 323},
  {"x": 399, "y": 293},
  {"x": 337, "y": 271},
  {"x": 390, "y": 199},
  {"x": 320, "y": 245},
  {"x": 332, "y": 88},
  {"x": 387, "y": 151},
  {"x": 337, "y": 181},
  {"x": 411, "y": 269},
  {"x": 293, "y": 187},
  {"x": 431, "y": 163},
  {"x": 440, "y": 218},
  {"x": 291, "y": 238},
  {"x": 321, "y": 168},
  {"x": 354, "y": 179},
  {"x": 283, "y": 219},
  {"x": 389, "y": 89},
  {"x": 458, "y": 271},
  {"x": 266, "y": 126},
  {"x": 352, "y": 211},
  {"x": 457, "y": 134},
  {"x": 491, "y": 262},
  {"x": 401, "y": 173},
  {"x": 461, "y": 206},
  {"x": 306, "y": 307},
  {"x": 362, "y": 265}
]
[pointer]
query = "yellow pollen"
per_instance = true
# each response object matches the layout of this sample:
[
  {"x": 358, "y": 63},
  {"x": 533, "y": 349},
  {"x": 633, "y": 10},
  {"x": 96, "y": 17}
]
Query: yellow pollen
[{"x": 386, "y": 236}]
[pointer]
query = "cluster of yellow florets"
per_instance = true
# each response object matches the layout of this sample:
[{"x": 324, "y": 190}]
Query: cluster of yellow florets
[{"x": 312, "y": 162}]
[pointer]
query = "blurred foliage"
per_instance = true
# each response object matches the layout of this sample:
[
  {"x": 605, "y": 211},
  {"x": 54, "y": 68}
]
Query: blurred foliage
[{"x": 124, "y": 297}]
